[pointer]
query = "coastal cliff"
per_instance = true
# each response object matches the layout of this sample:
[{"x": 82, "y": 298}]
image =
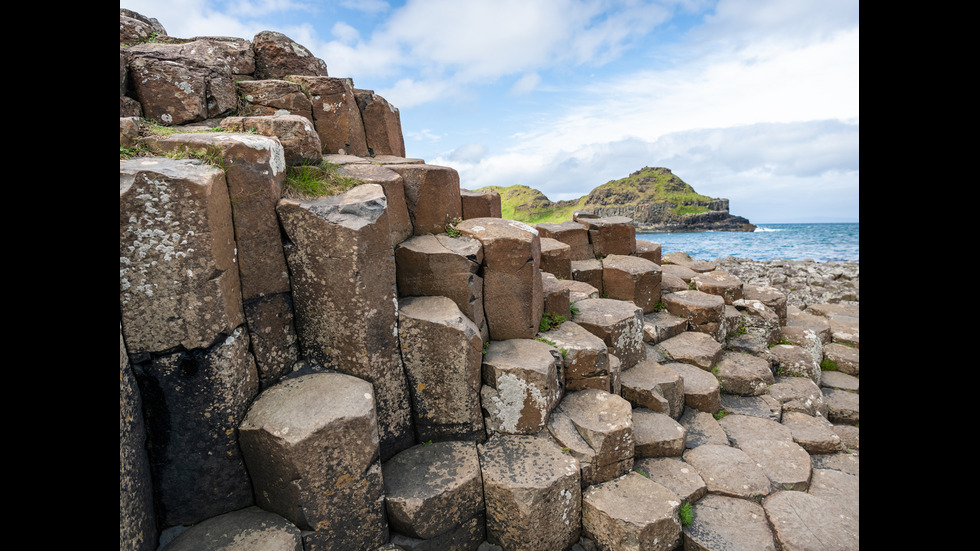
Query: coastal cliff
[{"x": 655, "y": 198}]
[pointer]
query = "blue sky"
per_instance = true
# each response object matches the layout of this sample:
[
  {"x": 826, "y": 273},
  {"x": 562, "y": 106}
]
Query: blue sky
[{"x": 755, "y": 101}]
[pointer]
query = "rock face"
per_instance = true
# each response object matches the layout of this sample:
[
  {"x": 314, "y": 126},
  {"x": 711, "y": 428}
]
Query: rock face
[{"x": 364, "y": 370}]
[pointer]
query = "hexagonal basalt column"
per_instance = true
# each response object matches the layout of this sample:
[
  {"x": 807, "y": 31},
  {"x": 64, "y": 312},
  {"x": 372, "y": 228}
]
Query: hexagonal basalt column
[
  {"x": 520, "y": 385},
  {"x": 432, "y": 196},
  {"x": 586, "y": 358},
  {"x": 573, "y": 234},
  {"x": 532, "y": 492},
  {"x": 512, "y": 289},
  {"x": 597, "y": 429},
  {"x": 442, "y": 352},
  {"x": 631, "y": 513},
  {"x": 311, "y": 446},
  {"x": 633, "y": 279},
  {"x": 611, "y": 235},
  {"x": 618, "y": 323}
]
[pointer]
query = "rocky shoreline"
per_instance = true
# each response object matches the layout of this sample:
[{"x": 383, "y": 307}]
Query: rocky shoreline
[{"x": 804, "y": 282}]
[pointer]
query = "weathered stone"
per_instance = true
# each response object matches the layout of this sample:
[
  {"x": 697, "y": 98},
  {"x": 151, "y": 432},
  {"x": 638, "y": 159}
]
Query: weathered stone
[
  {"x": 512, "y": 291},
  {"x": 720, "y": 283},
  {"x": 579, "y": 290},
  {"x": 277, "y": 55},
  {"x": 770, "y": 296},
  {"x": 299, "y": 140},
  {"x": 744, "y": 374},
  {"x": 849, "y": 436},
  {"x": 651, "y": 385},
  {"x": 394, "y": 188},
  {"x": 618, "y": 323},
  {"x": 702, "y": 428},
  {"x": 193, "y": 402},
  {"x": 586, "y": 357},
  {"x": 657, "y": 434},
  {"x": 648, "y": 250},
  {"x": 532, "y": 493},
  {"x": 438, "y": 265},
  {"x": 661, "y": 325},
  {"x": 137, "y": 524},
  {"x": 596, "y": 428},
  {"x": 692, "y": 348},
  {"x": 555, "y": 258},
  {"x": 335, "y": 114},
  {"x": 803, "y": 321},
  {"x": 433, "y": 489},
  {"x": 588, "y": 271},
  {"x": 469, "y": 536},
  {"x": 249, "y": 529},
  {"x": 631, "y": 513},
  {"x": 840, "y": 381},
  {"x": 683, "y": 259},
  {"x": 785, "y": 463},
  {"x": 763, "y": 405},
  {"x": 129, "y": 108},
  {"x": 842, "y": 406},
  {"x": 633, "y": 279},
  {"x": 793, "y": 360},
  {"x": 722, "y": 522},
  {"x": 611, "y": 235},
  {"x": 273, "y": 97},
  {"x": 682, "y": 273},
  {"x": 675, "y": 475},
  {"x": 133, "y": 30},
  {"x": 555, "y": 296},
  {"x": 573, "y": 234},
  {"x": 704, "y": 312},
  {"x": 272, "y": 334},
  {"x": 311, "y": 444},
  {"x": 345, "y": 315},
  {"x": 757, "y": 320},
  {"x": 128, "y": 131},
  {"x": 798, "y": 394},
  {"x": 742, "y": 428},
  {"x": 815, "y": 433},
  {"x": 846, "y": 358},
  {"x": 480, "y": 204},
  {"x": 803, "y": 521},
  {"x": 837, "y": 486},
  {"x": 432, "y": 196},
  {"x": 382, "y": 124},
  {"x": 442, "y": 353},
  {"x": 845, "y": 462},
  {"x": 728, "y": 471},
  {"x": 168, "y": 272},
  {"x": 520, "y": 385},
  {"x": 254, "y": 169},
  {"x": 615, "y": 375},
  {"x": 701, "y": 389},
  {"x": 181, "y": 83}
]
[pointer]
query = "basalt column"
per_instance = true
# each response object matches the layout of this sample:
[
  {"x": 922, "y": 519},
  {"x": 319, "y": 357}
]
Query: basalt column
[{"x": 343, "y": 275}]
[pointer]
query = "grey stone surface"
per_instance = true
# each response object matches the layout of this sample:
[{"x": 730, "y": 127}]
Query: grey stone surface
[
  {"x": 786, "y": 464},
  {"x": 248, "y": 529},
  {"x": 618, "y": 323},
  {"x": 803, "y": 521},
  {"x": 728, "y": 471},
  {"x": 675, "y": 474},
  {"x": 631, "y": 513},
  {"x": 653, "y": 386},
  {"x": 656, "y": 434},
  {"x": 597, "y": 429},
  {"x": 520, "y": 385},
  {"x": 693, "y": 348},
  {"x": 722, "y": 522}
]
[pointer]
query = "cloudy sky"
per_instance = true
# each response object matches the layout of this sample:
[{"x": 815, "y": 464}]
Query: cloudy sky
[{"x": 751, "y": 100}]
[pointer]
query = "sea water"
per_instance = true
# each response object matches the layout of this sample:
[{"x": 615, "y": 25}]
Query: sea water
[{"x": 819, "y": 242}]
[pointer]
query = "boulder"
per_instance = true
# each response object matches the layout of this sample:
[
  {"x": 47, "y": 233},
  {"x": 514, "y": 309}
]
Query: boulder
[
  {"x": 596, "y": 428},
  {"x": 842, "y": 406},
  {"x": 277, "y": 55},
  {"x": 248, "y": 529},
  {"x": 633, "y": 279},
  {"x": 336, "y": 116},
  {"x": 433, "y": 489},
  {"x": 702, "y": 428},
  {"x": 177, "y": 253},
  {"x": 512, "y": 290},
  {"x": 382, "y": 124},
  {"x": 273, "y": 97},
  {"x": 618, "y": 323},
  {"x": 439, "y": 265},
  {"x": 346, "y": 318},
  {"x": 311, "y": 444},
  {"x": 480, "y": 204},
  {"x": 770, "y": 296},
  {"x": 432, "y": 196},
  {"x": 520, "y": 385},
  {"x": 631, "y": 513},
  {"x": 532, "y": 493},
  {"x": 442, "y": 353},
  {"x": 573, "y": 234}
]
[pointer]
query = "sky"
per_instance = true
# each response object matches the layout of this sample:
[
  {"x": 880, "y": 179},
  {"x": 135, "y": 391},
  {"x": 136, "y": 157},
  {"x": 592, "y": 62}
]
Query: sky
[{"x": 755, "y": 101}]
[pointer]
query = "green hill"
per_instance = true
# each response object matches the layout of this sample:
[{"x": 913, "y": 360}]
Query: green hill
[{"x": 646, "y": 187}]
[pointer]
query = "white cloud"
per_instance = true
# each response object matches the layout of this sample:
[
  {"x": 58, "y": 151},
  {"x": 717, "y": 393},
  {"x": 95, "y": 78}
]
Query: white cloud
[
  {"x": 525, "y": 84},
  {"x": 345, "y": 33}
]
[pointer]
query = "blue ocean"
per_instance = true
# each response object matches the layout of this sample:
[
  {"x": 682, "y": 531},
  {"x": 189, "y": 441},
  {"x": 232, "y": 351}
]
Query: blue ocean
[{"x": 819, "y": 242}]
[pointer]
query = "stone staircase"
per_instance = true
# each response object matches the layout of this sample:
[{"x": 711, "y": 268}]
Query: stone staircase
[{"x": 397, "y": 367}]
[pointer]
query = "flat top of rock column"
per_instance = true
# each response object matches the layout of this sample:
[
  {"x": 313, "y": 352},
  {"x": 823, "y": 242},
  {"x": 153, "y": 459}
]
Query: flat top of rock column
[
  {"x": 298, "y": 407},
  {"x": 488, "y": 229},
  {"x": 356, "y": 208},
  {"x": 517, "y": 354},
  {"x": 525, "y": 461}
]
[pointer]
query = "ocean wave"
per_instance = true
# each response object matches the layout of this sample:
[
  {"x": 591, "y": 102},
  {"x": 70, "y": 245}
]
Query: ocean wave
[{"x": 761, "y": 229}]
